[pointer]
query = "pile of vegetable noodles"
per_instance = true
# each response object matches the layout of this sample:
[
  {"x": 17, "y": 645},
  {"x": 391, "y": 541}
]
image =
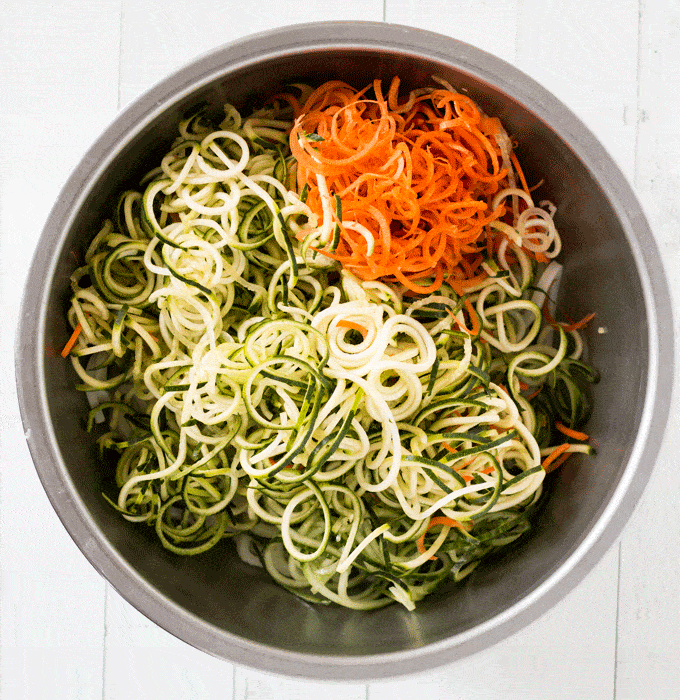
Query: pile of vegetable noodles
[{"x": 252, "y": 335}]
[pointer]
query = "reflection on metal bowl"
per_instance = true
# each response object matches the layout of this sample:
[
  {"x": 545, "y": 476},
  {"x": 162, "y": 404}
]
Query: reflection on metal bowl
[{"x": 229, "y": 609}]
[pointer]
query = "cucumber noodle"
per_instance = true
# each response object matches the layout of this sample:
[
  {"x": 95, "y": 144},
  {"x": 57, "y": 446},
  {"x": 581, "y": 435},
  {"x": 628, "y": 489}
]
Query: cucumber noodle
[{"x": 252, "y": 389}]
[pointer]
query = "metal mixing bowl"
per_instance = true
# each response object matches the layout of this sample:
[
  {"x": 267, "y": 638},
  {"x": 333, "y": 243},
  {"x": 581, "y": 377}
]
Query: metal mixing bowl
[{"x": 612, "y": 266}]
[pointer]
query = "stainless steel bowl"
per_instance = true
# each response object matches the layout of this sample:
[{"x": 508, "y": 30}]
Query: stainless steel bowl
[{"x": 612, "y": 266}]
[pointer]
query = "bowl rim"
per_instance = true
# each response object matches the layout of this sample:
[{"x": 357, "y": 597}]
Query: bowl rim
[{"x": 252, "y": 49}]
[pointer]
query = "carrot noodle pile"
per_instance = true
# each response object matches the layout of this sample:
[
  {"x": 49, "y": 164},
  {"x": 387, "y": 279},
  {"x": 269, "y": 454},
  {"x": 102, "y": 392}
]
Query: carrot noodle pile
[
  {"x": 427, "y": 187},
  {"x": 326, "y": 331}
]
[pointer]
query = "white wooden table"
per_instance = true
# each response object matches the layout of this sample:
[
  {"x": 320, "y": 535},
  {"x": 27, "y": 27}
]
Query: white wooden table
[{"x": 65, "y": 70}]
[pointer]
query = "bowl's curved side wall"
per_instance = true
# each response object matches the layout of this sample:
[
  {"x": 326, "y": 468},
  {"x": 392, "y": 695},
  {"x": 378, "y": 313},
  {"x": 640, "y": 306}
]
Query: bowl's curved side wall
[{"x": 204, "y": 601}]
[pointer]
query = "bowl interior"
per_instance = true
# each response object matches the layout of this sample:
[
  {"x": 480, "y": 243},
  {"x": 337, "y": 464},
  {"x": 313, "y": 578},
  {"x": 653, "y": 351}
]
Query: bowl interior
[{"x": 217, "y": 602}]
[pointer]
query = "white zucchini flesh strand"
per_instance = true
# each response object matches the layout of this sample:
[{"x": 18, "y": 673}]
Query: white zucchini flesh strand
[{"x": 322, "y": 424}]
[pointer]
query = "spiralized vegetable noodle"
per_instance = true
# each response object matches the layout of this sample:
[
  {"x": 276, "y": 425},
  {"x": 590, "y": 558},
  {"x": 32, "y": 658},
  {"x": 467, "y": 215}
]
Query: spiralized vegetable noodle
[
  {"x": 362, "y": 442},
  {"x": 422, "y": 184}
]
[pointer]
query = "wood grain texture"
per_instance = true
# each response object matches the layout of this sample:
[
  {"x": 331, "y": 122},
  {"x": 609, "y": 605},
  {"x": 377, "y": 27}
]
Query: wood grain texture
[
  {"x": 585, "y": 52},
  {"x": 65, "y": 70},
  {"x": 59, "y": 86},
  {"x": 491, "y": 25},
  {"x": 144, "y": 661},
  {"x": 545, "y": 660},
  {"x": 649, "y": 613},
  {"x": 160, "y": 36}
]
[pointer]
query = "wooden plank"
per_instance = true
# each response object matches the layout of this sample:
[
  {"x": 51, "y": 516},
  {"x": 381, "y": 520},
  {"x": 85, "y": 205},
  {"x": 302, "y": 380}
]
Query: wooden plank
[
  {"x": 159, "y": 37},
  {"x": 649, "y": 615},
  {"x": 52, "y": 620},
  {"x": 489, "y": 25},
  {"x": 586, "y": 54},
  {"x": 59, "y": 78},
  {"x": 253, "y": 685},
  {"x": 144, "y": 661},
  {"x": 558, "y": 44}
]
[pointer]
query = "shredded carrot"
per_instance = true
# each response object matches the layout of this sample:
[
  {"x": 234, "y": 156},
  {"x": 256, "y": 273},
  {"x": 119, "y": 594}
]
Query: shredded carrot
[
  {"x": 344, "y": 323},
  {"x": 419, "y": 176},
  {"x": 545, "y": 308},
  {"x": 534, "y": 394},
  {"x": 460, "y": 467},
  {"x": 517, "y": 167},
  {"x": 72, "y": 340},
  {"x": 443, "y": 520},
  {"x": 474, "y": 319},
  {"x": 437, "y": 520},
  {"x": 578, "y": 324},
  {"x": 548, "y": 461},
  {"x": 560, "y": 461},
  {"x": 290, "y": 99},
  {"x": 459, "y": 285},
  {"x": 571, "y": 325},
  {"x": 570, "y": 432},
  {"x": 467, "y": 463}
]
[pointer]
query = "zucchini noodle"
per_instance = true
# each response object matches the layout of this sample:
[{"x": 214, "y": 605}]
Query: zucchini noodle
[{"x": 362, "y": 443}]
